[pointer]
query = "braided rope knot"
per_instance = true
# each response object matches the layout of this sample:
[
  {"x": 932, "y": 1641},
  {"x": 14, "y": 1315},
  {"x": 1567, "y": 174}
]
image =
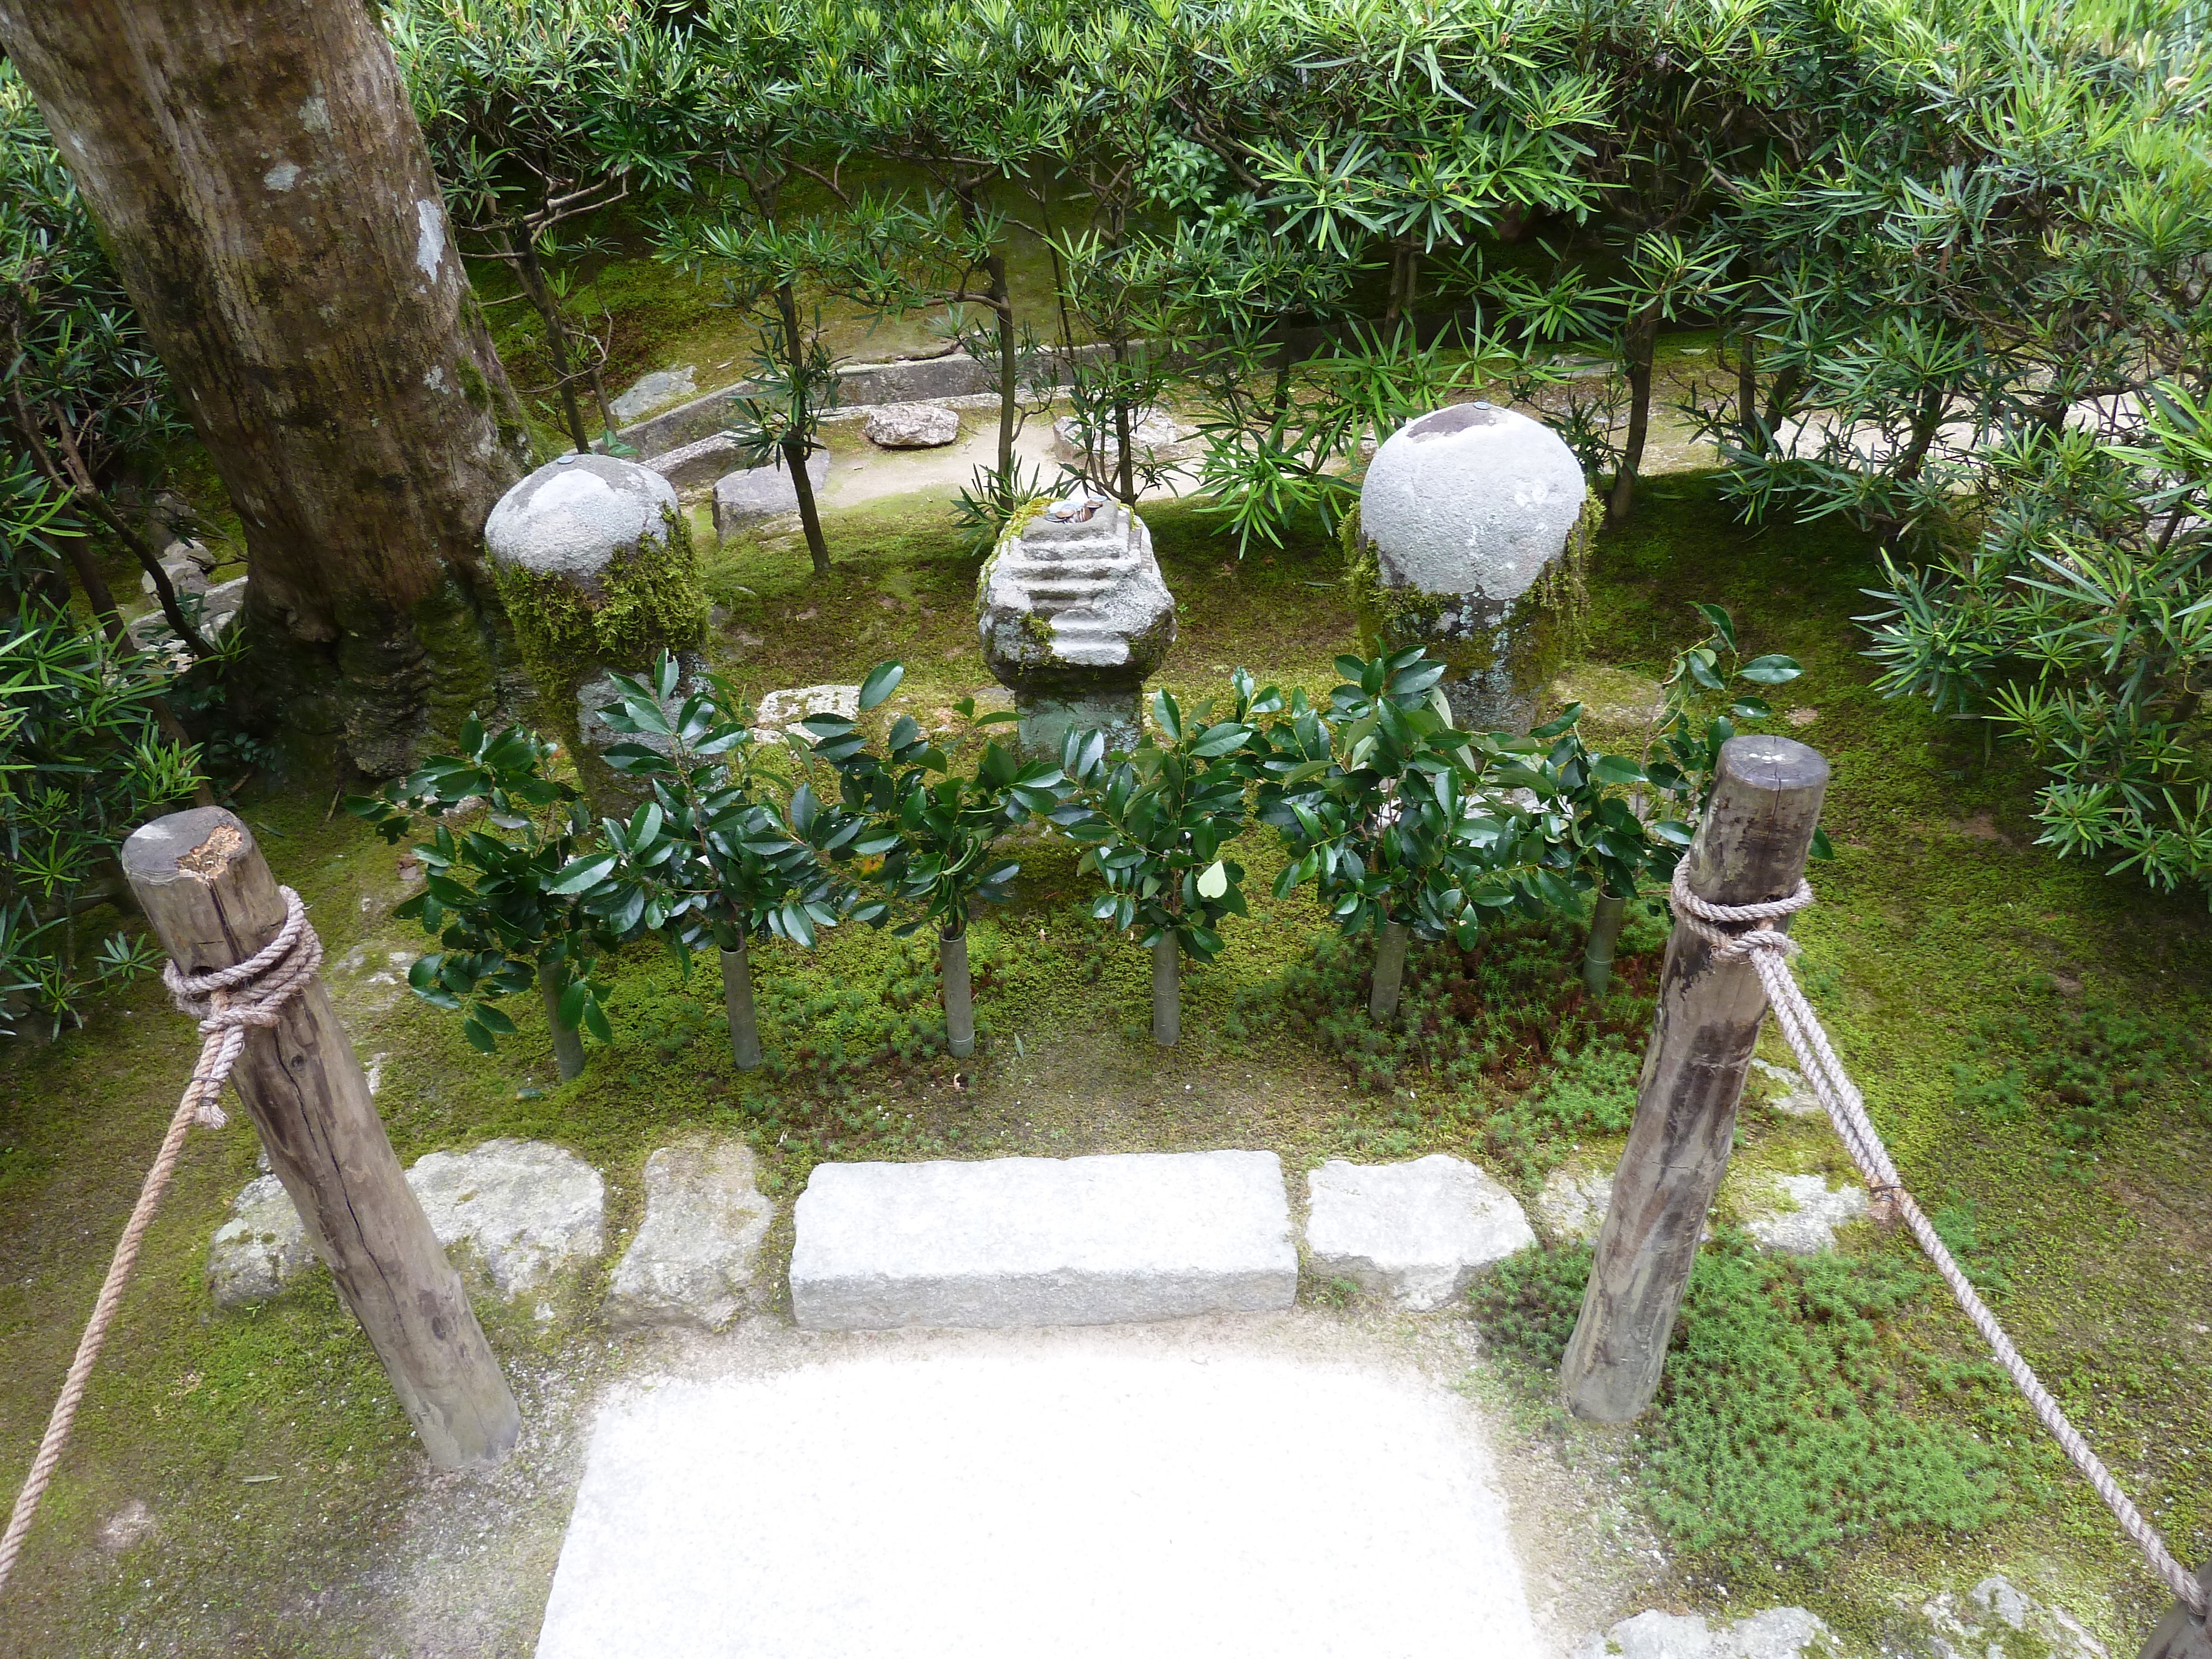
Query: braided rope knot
[
  {"x": 229, "y": 1001},
  {"x": 1709, "y": 921}
]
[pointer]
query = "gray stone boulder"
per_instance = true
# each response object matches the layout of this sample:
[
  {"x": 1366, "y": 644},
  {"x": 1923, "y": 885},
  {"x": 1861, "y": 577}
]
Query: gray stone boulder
[
  {"x": 1997, "y": 1620},
  {"x": 1802, "y": 1213},
  {"x": 1075, "y": 616},
  {"x": 261, "y": 1247},
  {"x": 1472, "y": 521},
  {"x": 529, "y": 1210},
  {"x": 1420, "y": 1233},
  {"x": 911, "y": 426},
  {"x": 780, "y": 710},
  {"x": 754, "y": 493},
  {"x": 657, "y": 390},
  {"x": 186, "y": 575},
  {"x": 695, "y": 1260},
  {"x": 576, "y": 516},
  {"x": 1154, "y": 434},
  {"x": 1770, "y": 1633},
  {"x": 697, "y": 464}
]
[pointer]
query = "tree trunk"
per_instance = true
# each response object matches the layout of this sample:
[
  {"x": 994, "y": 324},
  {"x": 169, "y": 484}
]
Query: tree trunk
[
  {"x": 1167, "y": 992},
  {"x": 737, "y": 1004},
  {"x": 1746, "y": 396},
  {"x": 1643, "y": 340},
  {"x": 959, "y": 994},
  {"x": 257, "y": 174},
  {"x": 797, "y": 446},
  {"x": 1389, "y": 972},
  {"x": 1010, "y": 410},
  {"x": 567, "y": 1043},
  {"x": 1606, "y": 917}
]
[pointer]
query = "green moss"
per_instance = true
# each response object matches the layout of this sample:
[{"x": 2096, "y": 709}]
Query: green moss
[{"x": 649, "y": 599}]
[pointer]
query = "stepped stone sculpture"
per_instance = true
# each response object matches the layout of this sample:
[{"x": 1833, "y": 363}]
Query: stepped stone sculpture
[
  {"x": 1074, "y": 616},
  {"x": 593, "y": 560},
  {"x": 1473, "y": 524}
]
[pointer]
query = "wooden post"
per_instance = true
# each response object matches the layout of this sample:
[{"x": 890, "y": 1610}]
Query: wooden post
[
  {"x": 2183, "y": 1634},
  {"x": 1751, "y": 848},
  {"x": 207, "y": 891}
]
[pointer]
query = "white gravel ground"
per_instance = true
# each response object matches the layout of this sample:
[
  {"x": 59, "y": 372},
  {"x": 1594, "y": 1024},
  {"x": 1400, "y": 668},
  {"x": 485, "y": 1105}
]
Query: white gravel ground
[{"x": 1023, "y": 1496}]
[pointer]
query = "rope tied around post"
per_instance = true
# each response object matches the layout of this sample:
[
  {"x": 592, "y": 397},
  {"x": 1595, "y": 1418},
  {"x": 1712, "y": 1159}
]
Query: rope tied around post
[
  {"x": 227, "y": 1003},
  {"x": 1768, "y": 950}
]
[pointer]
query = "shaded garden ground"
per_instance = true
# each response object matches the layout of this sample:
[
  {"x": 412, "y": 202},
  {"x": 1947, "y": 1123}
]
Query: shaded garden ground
[{"x": 1943, "y": 939}]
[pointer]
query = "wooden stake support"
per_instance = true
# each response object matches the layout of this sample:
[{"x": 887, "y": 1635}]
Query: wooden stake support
[
  {"x": 1751, "y": 849},
  {"x": 206, "y": 888}
]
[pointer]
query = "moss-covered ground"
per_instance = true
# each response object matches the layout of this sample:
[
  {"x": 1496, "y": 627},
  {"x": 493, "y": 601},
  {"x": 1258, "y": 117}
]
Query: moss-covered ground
[{"x": 277, "y": 1473}]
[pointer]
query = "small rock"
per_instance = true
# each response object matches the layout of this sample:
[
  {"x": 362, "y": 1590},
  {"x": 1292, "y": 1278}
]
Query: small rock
[
  {"x": 1992, "y": 1618},
  {"x": 694, "y": 464},
  {"x": 1809, "y": 1227},
  {"x": 1572, "y": 1202},
  {"x": 1788, "y": 1091},
  {"x": 129, "y": 1525},
  {"x": 199, "y": 553},
  {"x": 185, "y": 576},
  {"x": 1153, "y": 432},
  {"x": 911, "y": 426},
  {"x": 1802, "y": 716},
  {"x": 780, "y": 709},
  {"x": 575, "y": 515},
  {"x": 755, "y": 493},
  {"x": 530, "y": 1208},
  {"x": 650, "y": 391},
  {"x": 260, "y": 1248},
  {"x": 1418, "y": 1233},
  {"x": 693, "y": 1261}
]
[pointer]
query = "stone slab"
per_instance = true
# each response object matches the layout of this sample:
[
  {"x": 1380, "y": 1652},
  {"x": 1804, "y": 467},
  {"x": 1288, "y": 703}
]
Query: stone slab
[
  {"x": 1037, "y": 1241},
  {"x": 1770, "y": 1634},
  {"x": 755, "y": 493},
  {"x": 1800, "y": 1214},
  {"x": 1419, "y": 1233},
  {"x": 1084, "y": 1496},
  {"x": 694, "y": 1260}
]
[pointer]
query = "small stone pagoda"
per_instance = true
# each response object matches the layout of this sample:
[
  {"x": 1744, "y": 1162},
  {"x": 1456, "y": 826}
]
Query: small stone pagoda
[
  {"x": 1074, "y": 617},
  {"x": 1473, "y": 523}
]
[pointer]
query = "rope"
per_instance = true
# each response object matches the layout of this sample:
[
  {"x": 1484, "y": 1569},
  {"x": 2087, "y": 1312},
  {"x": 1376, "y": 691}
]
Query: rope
[
  {"x": 1769, "y": 950},
  {"x": 226, "y": 1003}
]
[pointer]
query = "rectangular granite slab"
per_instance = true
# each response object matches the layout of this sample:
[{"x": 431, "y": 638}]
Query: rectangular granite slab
[{"x": 1040, "y": 1240}]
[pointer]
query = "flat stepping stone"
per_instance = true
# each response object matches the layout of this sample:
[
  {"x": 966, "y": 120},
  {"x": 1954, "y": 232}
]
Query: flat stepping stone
[
  {"x": 529, "y": 1210},
  {"x": 694, "y": 1260},
  {"x": 1420, "y": 1233},
  {"x": 1037, "y": 1241},
  {"x": 1800, "y": 1214},
  {"x": 1084, "y": 1501}
]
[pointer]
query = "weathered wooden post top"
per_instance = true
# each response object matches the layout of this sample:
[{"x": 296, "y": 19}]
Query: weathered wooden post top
[
  {"x": 1750, "y": 849},
  {"x": 208, "y": 892}
]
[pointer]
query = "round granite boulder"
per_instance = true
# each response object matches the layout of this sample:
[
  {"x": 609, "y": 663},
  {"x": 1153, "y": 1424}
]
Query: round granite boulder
[
  {"x": 574, "y": 517},
  {"x": 1472, "y": 524}
]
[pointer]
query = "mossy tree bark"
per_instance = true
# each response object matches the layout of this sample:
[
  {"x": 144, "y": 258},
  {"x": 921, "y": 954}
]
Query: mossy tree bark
[
  {"x": 737, "y": 1006},
  {"x": 1167, "y": 991},
  {"x": 257, "y": 175},
  {"x": 567, "y": 1041}
]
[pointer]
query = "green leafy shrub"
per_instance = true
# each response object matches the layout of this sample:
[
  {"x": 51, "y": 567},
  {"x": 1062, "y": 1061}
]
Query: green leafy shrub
[{"x": 1788, "y": 1423}]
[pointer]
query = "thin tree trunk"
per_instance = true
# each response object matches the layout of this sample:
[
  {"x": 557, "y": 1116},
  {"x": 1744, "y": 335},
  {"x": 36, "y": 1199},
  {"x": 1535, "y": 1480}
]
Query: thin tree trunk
[
  {"x": 1926, "y": 421},
  {"x": 1389, "y": 972},
  {"x": 1167, "y": 992},
  {"x": 257, "y": 174},
  {"x": 1009, "y": 403},
  {"x": 959, "y": 994},
  {"x": 1606, "y": 914},
  {"x": 796, "y": 445},
  {"x": 567, "y": 1043},
  {"x": 556, "y": 335},
  {"x": 737, "y": 1003},
  {"x": 1642, "y": 341},
  {"x": 1746, "y": 396}
]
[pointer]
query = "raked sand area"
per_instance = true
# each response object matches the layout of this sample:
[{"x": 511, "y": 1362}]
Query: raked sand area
[{"x": 1026, "y": 1493}]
